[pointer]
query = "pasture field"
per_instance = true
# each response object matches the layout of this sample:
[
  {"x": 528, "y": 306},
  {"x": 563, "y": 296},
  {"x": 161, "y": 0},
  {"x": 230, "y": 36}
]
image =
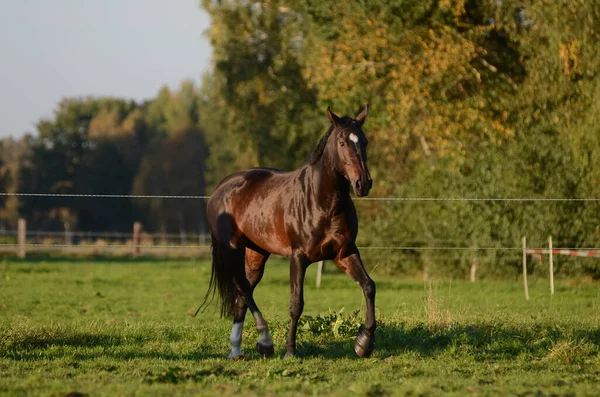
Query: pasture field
[{"x": 118, "y": 327}]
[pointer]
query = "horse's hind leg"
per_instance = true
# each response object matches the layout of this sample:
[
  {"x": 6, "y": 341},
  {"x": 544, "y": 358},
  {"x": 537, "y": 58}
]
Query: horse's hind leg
[
  {"x": 255, "y": 266},
  {"x": 236, "y": 258},
  {"x": 246, "y": 281}
]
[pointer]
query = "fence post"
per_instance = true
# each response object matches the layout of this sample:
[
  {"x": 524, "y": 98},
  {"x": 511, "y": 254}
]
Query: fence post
[
  {"x": 22, "y": 232},
  {"x": 68, "y": 236},
  {"x": 137, "y": 229},
  {"x": 319, "y": 272},
  {"x": 525, "y": 268},
  {"x": 551, "y": 261},
  {"x": 474, "y": 267}
]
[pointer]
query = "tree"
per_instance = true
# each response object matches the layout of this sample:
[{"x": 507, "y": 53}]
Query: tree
[
  {"x": 268, "y": 106},
  {"x": 92, "y": 146},
  {"x": 174, "y": 166},
  {"x": 470, "y": 99},
  {"x": 4, "y": 175}
]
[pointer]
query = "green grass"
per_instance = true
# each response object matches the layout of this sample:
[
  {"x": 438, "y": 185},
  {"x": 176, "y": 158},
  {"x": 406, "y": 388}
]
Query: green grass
[{"x": 124, "y": 327}]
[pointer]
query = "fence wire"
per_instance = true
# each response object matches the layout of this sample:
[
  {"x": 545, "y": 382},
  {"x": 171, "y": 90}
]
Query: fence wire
[
  {"x": 204, "y": 197},
  {"x": 151, "y": 246},
  {"x": 200, "y": 197},
  {"x": 111, "y": 246}
]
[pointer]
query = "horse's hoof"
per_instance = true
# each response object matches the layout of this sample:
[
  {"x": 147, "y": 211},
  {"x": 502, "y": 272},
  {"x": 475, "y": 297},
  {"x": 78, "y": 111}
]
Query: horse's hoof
[
  {"x": 364, "y": 345},
  {"x": 237, "y": 358},
  {"x": 290, "y": 356},
  {"x": 265, "y": 351}
]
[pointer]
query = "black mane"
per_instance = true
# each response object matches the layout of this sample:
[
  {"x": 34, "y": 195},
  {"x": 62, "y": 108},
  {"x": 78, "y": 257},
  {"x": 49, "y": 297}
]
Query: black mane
[{"x": 318, "y": 151}]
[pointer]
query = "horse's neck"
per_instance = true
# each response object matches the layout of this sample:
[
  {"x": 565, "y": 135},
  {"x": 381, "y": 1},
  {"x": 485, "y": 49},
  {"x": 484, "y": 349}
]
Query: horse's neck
[{"x": 329, "y": 189}]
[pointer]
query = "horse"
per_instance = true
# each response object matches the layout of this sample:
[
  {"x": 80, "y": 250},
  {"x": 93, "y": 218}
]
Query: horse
[{"x": 306, "y": 215}]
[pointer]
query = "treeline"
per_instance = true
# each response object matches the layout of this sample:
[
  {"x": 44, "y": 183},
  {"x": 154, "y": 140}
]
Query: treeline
[
  {"x": 110, "y": 146},
  {"x": 469, "y": 99}
]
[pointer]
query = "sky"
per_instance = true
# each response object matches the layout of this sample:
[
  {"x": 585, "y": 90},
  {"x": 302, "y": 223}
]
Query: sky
[{"x": 51, "y": 49}]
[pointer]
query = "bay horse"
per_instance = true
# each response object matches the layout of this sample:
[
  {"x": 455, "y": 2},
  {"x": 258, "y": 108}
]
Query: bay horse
[{"x": 306, "y": 215}]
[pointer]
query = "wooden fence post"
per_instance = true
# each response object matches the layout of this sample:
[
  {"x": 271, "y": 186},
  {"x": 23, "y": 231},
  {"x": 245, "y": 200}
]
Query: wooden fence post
[
  {"x": 163, "y": 236},
  {"x": 525, "y": 268},
  {"x": 137, "y": 238},
  {"x": 22, "y": 233},
  {"x": 551, "y": 264},
  {"x": 319, "y": 272}
]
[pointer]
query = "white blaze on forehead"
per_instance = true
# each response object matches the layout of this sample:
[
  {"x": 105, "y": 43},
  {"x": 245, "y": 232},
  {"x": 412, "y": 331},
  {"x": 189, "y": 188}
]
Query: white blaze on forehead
[{"x": 354, "y": 138}]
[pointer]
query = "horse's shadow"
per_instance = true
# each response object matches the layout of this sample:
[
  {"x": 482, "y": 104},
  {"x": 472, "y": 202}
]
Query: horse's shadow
[{"x": 482, "y": 341}]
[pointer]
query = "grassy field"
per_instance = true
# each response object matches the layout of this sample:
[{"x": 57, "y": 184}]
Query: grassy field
[{"x": 125, "y": 327}]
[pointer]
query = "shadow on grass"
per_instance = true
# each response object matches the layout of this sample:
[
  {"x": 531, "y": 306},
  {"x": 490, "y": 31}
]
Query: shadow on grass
[
  {"x": 480, "y": 341},
  {"x": 116, "y": 355},
  {"x": 55, "y": 344}
]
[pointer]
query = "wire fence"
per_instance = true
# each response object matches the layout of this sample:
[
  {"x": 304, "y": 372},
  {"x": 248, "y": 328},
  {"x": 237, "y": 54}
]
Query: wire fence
[
  {"x": 105, "y": 243},
  {"x": 40, "y": 239},
  {"x": 117, "y": 239},
  {"x": 200, "y": 197},
  {"x": 159, "y": 246},
  {"x": 113, "y": 235},
  {"x": 184, "y": 237},
  {"x": 111, "y": 246}
]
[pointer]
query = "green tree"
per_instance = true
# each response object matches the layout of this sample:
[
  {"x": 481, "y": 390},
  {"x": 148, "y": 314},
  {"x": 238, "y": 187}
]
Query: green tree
[
  {"x": 470, "y": 99},
  {"x": 171, "y": 110},
  {"x": 174, "y": 166},
  {"x": 83, "y": 151},
  {"x": 268, "y": 106}
]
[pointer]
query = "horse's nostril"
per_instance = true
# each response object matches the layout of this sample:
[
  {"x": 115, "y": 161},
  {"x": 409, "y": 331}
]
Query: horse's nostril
[{"x": 358, "y": 185}]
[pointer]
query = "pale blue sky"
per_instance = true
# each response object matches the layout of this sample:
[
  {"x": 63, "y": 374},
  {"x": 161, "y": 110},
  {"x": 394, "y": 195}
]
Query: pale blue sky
[{"x": 50, "y": 49}]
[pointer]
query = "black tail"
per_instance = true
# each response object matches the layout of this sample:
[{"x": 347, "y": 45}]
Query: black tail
[{"x": 221, "y": 278}]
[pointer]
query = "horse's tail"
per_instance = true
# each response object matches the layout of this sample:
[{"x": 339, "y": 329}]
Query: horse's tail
[{"x": 221, "y": 279}]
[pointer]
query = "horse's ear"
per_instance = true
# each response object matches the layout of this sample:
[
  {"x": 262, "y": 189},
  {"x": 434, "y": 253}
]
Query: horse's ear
[
  {"x": 363, "y": 115},
  {"x": 335, "y": 120}
]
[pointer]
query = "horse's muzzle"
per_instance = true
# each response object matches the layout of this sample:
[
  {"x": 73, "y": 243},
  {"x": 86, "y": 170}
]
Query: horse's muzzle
[{"x": 362, "y": 187}]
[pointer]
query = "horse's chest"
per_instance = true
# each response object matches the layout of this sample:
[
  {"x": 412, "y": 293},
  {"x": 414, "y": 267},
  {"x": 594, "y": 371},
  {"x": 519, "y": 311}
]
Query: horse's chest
[{"x": 328, "y": 244}]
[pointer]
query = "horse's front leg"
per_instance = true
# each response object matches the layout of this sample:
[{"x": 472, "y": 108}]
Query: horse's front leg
[
  {"x": 351, "y": 263},
  {"x": 298, "y": 266}
]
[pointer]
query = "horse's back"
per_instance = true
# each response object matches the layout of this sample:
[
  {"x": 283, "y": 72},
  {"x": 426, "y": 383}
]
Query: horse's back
[
  {"x": 242, "y": 181},
  {"x": 245, "y": 202}
]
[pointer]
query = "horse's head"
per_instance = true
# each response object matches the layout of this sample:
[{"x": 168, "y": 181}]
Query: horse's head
[{"x": 350, "y": 151}]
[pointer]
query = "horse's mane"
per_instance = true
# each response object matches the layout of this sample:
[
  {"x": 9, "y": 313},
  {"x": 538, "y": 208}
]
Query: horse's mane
[{"x": 317, "y": 153}]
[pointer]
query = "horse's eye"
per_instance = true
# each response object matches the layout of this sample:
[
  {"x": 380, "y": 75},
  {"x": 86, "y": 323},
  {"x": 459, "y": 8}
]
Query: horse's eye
[{"x": 342, "y": 143}]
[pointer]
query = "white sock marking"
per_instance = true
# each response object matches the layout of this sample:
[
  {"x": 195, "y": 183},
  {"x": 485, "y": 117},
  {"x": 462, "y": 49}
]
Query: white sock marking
[
  {"x": 236, "y": 340},
  {"x": 264, "y": 337}
]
